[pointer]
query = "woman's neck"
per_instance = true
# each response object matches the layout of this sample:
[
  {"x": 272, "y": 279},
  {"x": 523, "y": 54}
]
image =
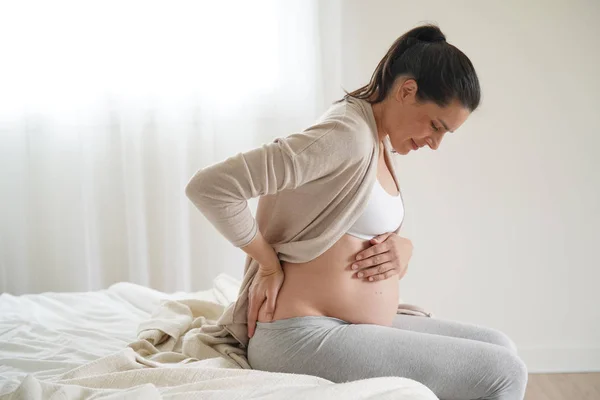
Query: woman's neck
[{"x": 378, "y": 110}]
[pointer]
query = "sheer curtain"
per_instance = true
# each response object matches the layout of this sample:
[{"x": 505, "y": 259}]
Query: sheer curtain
[{"x": 108, "y": 108}]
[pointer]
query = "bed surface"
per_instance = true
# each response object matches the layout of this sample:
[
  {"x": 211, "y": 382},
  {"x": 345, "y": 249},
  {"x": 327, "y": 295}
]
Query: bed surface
[{"x": 49, "y": 334}]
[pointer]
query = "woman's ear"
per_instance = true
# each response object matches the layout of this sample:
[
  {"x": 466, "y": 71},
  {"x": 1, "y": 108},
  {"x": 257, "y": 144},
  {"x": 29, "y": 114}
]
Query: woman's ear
[{"x": 406, "y": 91}]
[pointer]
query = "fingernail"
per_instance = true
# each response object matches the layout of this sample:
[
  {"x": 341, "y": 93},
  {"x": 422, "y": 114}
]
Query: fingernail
[
  {"x": 371, "y": 278},
  {"x": 358, "y": 257},
  {"x": 355, "y": 266},
  {"x": 360, "y": 274}
]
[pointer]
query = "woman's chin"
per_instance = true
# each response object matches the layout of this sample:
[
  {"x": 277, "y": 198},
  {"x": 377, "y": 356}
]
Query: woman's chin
[{"x": 402, "y": 148}]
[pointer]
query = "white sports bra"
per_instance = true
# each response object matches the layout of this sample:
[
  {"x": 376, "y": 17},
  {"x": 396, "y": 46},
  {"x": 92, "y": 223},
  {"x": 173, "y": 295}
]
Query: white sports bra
[{"x": 384, "y": 213}]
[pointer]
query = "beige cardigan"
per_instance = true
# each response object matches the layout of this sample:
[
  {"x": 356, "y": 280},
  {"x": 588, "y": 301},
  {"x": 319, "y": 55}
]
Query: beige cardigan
[{"x": 313, "y": 186}]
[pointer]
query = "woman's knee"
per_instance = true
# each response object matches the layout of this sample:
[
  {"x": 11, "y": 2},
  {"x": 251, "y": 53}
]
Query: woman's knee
[
  {"x": 510, "y": 372},
  {"x": 500, "y": 338},
  {"x": 518, "y": 375}
]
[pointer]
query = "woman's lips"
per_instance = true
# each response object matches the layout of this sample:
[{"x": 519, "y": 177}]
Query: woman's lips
[{"x": 415, "y": 147}]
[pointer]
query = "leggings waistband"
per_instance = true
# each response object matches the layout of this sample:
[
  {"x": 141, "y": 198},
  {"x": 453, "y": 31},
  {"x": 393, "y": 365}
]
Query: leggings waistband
[{"x": 302, "y": 322}]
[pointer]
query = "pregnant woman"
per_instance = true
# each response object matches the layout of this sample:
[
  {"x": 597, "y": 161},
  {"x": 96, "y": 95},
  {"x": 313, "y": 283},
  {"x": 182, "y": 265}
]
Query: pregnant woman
[{"x": 320, "y": 290}]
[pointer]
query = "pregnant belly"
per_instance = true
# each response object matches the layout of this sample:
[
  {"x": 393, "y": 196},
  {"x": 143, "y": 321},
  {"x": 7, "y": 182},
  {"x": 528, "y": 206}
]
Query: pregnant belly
[{"x": 327, "y": 286}]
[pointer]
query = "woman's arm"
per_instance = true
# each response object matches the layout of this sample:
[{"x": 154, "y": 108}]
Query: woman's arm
[
  {"x": 220, "y": 191},
  {"x": 260, "y": 250}
]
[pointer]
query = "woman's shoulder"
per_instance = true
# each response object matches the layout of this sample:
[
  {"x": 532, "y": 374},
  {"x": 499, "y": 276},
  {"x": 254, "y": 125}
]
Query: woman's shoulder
[
  {"x": 349, "y": 113},
  {"x": 344, "y": 129}
]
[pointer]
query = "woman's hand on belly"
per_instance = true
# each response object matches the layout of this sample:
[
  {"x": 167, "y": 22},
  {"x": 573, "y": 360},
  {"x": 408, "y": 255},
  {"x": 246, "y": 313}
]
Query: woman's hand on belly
[{"x": 389, "y": 255}]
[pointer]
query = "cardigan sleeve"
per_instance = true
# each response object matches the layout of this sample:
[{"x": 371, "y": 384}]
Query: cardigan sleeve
[{"x": 220, "y": 191}]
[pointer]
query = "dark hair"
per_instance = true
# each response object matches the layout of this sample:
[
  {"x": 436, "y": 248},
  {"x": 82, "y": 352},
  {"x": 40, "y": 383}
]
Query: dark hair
[{"x": 443, "y": 73}]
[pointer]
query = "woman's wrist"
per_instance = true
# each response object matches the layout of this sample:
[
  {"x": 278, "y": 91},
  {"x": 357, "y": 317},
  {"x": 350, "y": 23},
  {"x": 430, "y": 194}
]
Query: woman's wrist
[
  {"x": 271, "y": 266},
  {"x": 267, "y": 270},
  {"x": 261, "y": 251}
]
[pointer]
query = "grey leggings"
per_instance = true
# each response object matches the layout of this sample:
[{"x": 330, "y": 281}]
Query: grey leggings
[{"x": 455, "y": 360}]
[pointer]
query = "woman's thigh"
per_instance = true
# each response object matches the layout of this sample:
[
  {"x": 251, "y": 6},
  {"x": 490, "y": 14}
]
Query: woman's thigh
[
  {"x": 456, "y": 329},
  {"x": 452, "y": 367}
]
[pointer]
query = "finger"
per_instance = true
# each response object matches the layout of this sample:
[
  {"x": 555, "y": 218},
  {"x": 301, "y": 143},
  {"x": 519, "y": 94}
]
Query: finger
[
  {"x": 383, "y": 276},
  {"x": 381, "y": 238},
  {"x": 373, "y": 261},
  {"x": 253, "y": 308},
  {"x": 378, "y": 269},
  {"x": 371, "y": 251},
  {"x": 271, "y": 299}
]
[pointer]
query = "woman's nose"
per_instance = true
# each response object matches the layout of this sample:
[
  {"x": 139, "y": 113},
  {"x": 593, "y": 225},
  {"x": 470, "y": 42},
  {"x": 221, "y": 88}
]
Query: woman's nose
[{"x": 434, "y": 143}]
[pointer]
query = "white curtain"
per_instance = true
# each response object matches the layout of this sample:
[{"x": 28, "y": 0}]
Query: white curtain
[{"x": 108, "y": 108}]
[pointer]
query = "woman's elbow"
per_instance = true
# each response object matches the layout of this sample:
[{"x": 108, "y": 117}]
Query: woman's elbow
[{"x": 194, "y": 187}]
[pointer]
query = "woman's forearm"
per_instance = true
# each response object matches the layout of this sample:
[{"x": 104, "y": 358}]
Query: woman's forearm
[{"x": 260, "y": 250}]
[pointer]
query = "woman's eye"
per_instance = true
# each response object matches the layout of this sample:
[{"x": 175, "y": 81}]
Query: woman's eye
[{"x": 434, "y": 127}]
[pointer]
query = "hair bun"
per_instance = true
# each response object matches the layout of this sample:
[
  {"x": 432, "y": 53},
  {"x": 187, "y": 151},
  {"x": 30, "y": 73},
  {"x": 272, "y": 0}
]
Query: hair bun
[{"x": 428, "y": 33}]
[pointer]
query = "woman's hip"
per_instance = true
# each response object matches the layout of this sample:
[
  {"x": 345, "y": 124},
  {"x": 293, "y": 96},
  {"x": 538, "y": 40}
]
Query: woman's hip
[{"x": 277, "y": 346}]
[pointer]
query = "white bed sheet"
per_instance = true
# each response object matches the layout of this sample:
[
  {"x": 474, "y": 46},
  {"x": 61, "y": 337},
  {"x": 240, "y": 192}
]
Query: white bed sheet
[{"x": 46, "y": 335}]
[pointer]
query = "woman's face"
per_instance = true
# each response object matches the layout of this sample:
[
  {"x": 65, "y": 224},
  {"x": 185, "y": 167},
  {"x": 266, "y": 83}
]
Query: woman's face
[{"x": 412, "y": 125}]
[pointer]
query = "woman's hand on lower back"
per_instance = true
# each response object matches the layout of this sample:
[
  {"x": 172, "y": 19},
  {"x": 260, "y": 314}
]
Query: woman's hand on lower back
[
  {"x": 267, "y": 281},
  {"x": 263, "y": 290}
]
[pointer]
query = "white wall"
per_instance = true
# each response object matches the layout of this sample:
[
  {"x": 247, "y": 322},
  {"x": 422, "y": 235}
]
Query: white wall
[{"x": 505, "y": 215}]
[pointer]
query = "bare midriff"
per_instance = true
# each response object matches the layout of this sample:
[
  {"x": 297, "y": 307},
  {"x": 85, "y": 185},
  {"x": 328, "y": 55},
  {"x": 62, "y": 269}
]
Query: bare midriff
[{"x": 327, "y": 286}]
